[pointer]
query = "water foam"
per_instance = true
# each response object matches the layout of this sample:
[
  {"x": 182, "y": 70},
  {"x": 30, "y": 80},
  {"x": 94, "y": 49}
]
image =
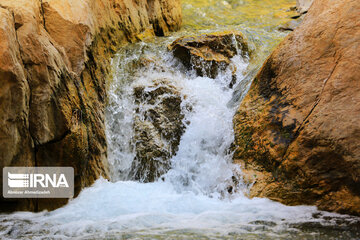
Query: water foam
[{"x": 133, "y": 210}]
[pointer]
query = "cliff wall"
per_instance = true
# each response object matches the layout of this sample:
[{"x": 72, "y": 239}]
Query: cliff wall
[{"x": 54, "y": 63}]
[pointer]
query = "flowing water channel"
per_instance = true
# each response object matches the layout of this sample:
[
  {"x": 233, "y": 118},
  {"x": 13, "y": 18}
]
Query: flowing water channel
[{"x": 191, "y": 200}]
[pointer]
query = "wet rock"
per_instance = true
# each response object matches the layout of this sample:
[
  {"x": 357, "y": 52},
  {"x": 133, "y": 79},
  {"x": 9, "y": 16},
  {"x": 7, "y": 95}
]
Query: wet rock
[
  {"x": 210, "y": 54},
  {"x": 55, "y": 59},
  {"x": 144, "y": 63},
  {"x": 158, "y": 127},
  {"x": 297, "y": 131}
]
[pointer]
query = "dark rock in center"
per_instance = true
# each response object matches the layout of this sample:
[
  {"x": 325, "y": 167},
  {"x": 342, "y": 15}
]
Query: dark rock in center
[
  {"x": 158, "y": 127},
  {"x": 211, "y": 53}
]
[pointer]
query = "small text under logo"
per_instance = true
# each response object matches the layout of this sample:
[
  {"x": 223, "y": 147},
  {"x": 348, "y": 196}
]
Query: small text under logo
[{"x": 38, "y": 182}]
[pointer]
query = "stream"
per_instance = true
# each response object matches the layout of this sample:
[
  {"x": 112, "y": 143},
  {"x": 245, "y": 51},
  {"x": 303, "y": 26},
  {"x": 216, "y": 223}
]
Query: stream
[{"x": 191, "y": 200}]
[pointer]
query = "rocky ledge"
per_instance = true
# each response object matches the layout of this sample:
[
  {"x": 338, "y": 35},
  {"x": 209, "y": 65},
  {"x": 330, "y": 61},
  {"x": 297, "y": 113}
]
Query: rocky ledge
[
  {"x": 297, "y": 132},
  {"x": 55, "y": 60},
  {"x": 210, "y": 54}
]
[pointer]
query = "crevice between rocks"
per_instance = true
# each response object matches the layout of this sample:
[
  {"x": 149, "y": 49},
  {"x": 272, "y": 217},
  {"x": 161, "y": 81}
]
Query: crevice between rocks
[
  {"x": 42, "y": 12},
  {"x": 55, "y": 140}
]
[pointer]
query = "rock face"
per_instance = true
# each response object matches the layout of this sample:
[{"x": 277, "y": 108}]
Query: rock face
[
  {"x": 158, "y": 127},
  {"x": 55, "y": 57},
  {"x": 297, "y": 130},
  {"x": 211, "y": 53}
]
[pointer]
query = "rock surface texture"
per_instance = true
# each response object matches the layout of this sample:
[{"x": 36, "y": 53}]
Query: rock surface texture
[
  {"x": 209, "y": 54},
  {"x": 55, "y": 59},
  {"x": 158, "y": 127},
  {"x": 297, "y": 130}
]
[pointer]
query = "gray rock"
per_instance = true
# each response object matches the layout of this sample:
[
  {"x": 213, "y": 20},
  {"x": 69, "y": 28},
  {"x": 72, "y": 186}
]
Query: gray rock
[{"x": 158, "y": 127}]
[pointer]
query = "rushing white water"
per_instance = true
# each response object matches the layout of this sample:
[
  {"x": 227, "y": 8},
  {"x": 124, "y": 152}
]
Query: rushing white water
[
  {"x": 191, "y": 201},
  {"x": 203, "y": 162}
]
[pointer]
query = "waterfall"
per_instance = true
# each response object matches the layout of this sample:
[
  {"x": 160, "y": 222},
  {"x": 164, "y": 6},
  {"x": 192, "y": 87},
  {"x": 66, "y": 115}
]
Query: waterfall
[
  {"x": 203, "y": 161},
  {"x": 190, "y": 200}
]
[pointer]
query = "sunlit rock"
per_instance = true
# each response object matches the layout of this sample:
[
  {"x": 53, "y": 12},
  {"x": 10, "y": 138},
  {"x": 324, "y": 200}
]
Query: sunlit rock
[
  {"x": 297, "y": 132},
  {"x": 54, "y": 62}
]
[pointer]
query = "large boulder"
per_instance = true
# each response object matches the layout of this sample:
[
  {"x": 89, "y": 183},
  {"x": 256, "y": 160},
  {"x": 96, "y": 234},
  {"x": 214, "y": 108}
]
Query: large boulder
[
  {"x": 55, "y": 59},
  {"x": 210, "y": 54},
  {"x": 297, "y": 132},
  {"x": 158, "y": 127}
]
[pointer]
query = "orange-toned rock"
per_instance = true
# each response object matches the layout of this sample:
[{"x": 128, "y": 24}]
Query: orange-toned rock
[
  {"x": 297, "y": 132},
  {"x": 209, "y": 54},
  {"x": 54, "y": 61}
]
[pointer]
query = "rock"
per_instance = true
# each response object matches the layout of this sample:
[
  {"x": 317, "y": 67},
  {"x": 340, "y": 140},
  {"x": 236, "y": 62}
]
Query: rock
[
  {"x": 303, "y": 6},
  {"x": 210, "y": 54},
  {"x": 297, "y": 19},
  {"x": 144, "y": 63},
  {"x": 158, "y": 127},
  {"x": 291, "y": 25},
  {"x": 55, "y": 59},
  {"x": 164, "y": 15},
  {"x": 297, "y": 132}
]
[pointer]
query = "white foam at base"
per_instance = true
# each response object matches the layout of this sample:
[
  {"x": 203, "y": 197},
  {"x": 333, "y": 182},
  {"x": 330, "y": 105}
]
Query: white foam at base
[{"x": 128, "y": 206}]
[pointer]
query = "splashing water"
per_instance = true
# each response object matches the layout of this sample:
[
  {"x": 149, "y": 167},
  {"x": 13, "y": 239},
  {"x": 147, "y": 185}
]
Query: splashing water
[
  {"x": 190, "y": 203},
  {"x": 191, "y": 200},
  {"x": 202, "y": 162}
]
